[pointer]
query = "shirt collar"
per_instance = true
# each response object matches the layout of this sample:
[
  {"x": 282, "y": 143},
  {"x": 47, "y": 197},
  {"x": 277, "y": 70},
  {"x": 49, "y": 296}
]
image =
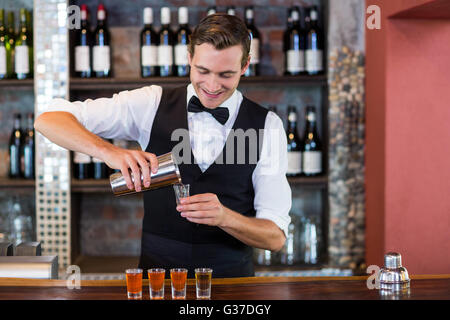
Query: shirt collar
[{"x": 231, "y": 103}]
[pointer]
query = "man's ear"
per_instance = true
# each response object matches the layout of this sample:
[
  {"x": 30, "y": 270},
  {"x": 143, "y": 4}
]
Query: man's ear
[
  {"x": 189, "y": 59},
  {"x": 246, "y": 66}
]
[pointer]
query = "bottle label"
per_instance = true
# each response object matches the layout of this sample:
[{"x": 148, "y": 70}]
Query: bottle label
[
  {"x": 295, "y": 60},
  {"x": 254, "y": 51},
  {"x": 314, "y": 60},
  {"x": 101, "y": 58},
  {"x": 181, "y": 55},
  {"x": 149, "y": 56},
  {"x": 2, "y": 60},
  {"x": 82, "y": 58},
  {"x": 22, "y": 62},
  {"x": 294, "y": 162},
  {"x": 312, "y": 162},
  {"x": 165, "y": 55},
  {"x": 79, "y": 157}
]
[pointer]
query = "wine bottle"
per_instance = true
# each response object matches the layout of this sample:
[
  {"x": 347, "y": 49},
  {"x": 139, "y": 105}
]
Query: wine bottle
[
  {"x": 82, "y": 166},
  {"x": 15, "y": 145},
  {"x": 231, "y": 10},
  {"x": 101, "y": 50},
  {"x": 314, "y": 44},
  {"x": 23, "y": 63},
  {"x": 294, "y": 144},
  {"x": 253, "y": 69},
  {"x": 3, "y": 68},
  {"x": 182, "y": 40},
  {"x": 10, "y": 39},
  {"x": 28, "y": 149},
  {"x": 83, "y": 44},
  {"x": 312, "y": 147},
  {"x": 211, "y": 10},
  {"x": 294, "y": 45},
  {"x": 165, "y": 48},
  {"x": 149, "y": 46}
]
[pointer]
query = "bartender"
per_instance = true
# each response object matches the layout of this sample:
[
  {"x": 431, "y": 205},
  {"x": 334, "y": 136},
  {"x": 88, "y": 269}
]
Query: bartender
[{"x": 233, "y": 206}]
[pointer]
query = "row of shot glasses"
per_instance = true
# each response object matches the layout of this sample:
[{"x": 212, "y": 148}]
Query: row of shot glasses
[{"x": 178, "y": 277}]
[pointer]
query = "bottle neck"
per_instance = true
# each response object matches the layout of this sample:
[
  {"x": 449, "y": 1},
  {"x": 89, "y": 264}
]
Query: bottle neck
[
  {"x": 17, "y": 124},
  {"x": 2, "y": 20},
  {"x": 292, "y": 121},
  {"x": 101, "y": 18},
  {"x": 30, "y": 121},
  {"x": 311, "y": 123},
  {"x": 249, "y": 17}
]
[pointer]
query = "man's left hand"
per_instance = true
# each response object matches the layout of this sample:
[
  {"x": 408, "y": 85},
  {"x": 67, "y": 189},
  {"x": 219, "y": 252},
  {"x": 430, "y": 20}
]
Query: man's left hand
[{"x": 203, "y": 208}]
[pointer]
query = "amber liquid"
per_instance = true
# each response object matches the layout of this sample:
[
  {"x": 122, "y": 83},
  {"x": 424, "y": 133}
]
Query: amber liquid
[
  {"x": 156, "y": 280},
  {"x": 134, "y": 284},
  {"x": 203, "y": 285},
  {"x": 178, "y": 284}
]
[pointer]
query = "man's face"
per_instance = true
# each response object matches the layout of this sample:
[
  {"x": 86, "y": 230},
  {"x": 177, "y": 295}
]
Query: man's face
[{"x": 215, "y": 74}]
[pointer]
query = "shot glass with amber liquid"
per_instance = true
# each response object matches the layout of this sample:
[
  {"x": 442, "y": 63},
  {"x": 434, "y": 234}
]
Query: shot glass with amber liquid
[{"x": 134, "y": 283}]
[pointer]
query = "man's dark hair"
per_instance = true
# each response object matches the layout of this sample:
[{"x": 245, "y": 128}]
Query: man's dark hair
[{"x": 222, "y": 31}]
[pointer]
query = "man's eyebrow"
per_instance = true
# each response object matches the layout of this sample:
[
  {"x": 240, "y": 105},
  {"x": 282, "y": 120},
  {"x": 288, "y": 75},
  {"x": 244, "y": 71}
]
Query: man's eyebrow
[{"x": 206, "y": 69}]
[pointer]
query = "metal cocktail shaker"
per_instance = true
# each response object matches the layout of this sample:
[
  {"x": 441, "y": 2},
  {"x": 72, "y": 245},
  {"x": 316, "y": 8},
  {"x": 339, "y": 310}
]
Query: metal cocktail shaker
[{"x": 167, "y": 174}]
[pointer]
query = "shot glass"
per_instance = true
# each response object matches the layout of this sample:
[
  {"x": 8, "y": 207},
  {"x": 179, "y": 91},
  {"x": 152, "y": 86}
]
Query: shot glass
[
  {"x": 134, "y": 283},
  {"x": 156, "y": 283},
  {"x": 203, "y": 283},
  {"x": 181, "y": 191},
  {"x": 178, "y": 278}
]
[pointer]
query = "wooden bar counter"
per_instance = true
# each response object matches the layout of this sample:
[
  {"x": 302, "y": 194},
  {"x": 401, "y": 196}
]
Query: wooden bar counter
[{"x": 430, "y": 287}]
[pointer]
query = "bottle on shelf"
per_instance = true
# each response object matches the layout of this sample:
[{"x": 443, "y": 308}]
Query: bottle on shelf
[
  {"x": 23, "y": 60},
  {"x": 294, "y": 144},
  {"x": 28, "y": 153},
  {"x": 101, "y": 54},
  {"x": 149, "y": 46},
  {"x": 166, "y": 42},
  {"x": 253, "y": 69},
  {"x": 312, "y": 147},
  {"x": 15, "y": 148},
  {"x": 100, "y": 169},
  {"x": 231, "y": 10},
  {"x": 83, "y": 44},
  {"x": 182, "y": 40},
  {"x": 3, "y": 63},
  {"x": 211, "y": 10},
  {"x": 288, "y": 253},
  {"x": 263, "y": 257},
  {"x": 10, "y": 40},
  {"x": 314, "y": 44},
  {"x": 310, "y": 241},
  {"x": 82, "y": 166},
  {"x": 294, "y": 45}
]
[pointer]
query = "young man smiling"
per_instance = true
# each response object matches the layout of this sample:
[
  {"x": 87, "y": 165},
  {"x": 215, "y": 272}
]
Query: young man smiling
[{"x": 233, "y": 206}]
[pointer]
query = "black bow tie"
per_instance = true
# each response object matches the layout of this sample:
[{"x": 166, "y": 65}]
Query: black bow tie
[{"x": 220, "y": 114}]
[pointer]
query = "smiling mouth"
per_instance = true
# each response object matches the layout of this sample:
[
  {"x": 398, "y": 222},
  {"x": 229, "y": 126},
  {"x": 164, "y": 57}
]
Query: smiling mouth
[{"x": 211, "y": 95}]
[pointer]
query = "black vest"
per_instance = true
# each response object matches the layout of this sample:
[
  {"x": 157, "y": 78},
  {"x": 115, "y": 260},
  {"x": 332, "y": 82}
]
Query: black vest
[{"x": 232, "y": 183}]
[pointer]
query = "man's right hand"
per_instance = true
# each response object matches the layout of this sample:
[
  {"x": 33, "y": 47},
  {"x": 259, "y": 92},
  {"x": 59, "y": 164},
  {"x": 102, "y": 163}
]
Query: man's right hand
[{"x": 135, "y": 160}]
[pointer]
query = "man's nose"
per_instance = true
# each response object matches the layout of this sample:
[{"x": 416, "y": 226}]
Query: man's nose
[{"x": 212, "y": 85}]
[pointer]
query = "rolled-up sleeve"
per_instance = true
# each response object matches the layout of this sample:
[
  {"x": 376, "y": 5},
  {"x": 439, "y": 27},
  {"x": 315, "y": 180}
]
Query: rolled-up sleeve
[
  {"x": 127, "y": 115},
  {"x": 273, "y": 197}
]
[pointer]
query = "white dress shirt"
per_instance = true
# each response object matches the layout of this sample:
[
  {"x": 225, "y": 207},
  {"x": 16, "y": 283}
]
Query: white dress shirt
[{"x": 129, "y": 115}]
